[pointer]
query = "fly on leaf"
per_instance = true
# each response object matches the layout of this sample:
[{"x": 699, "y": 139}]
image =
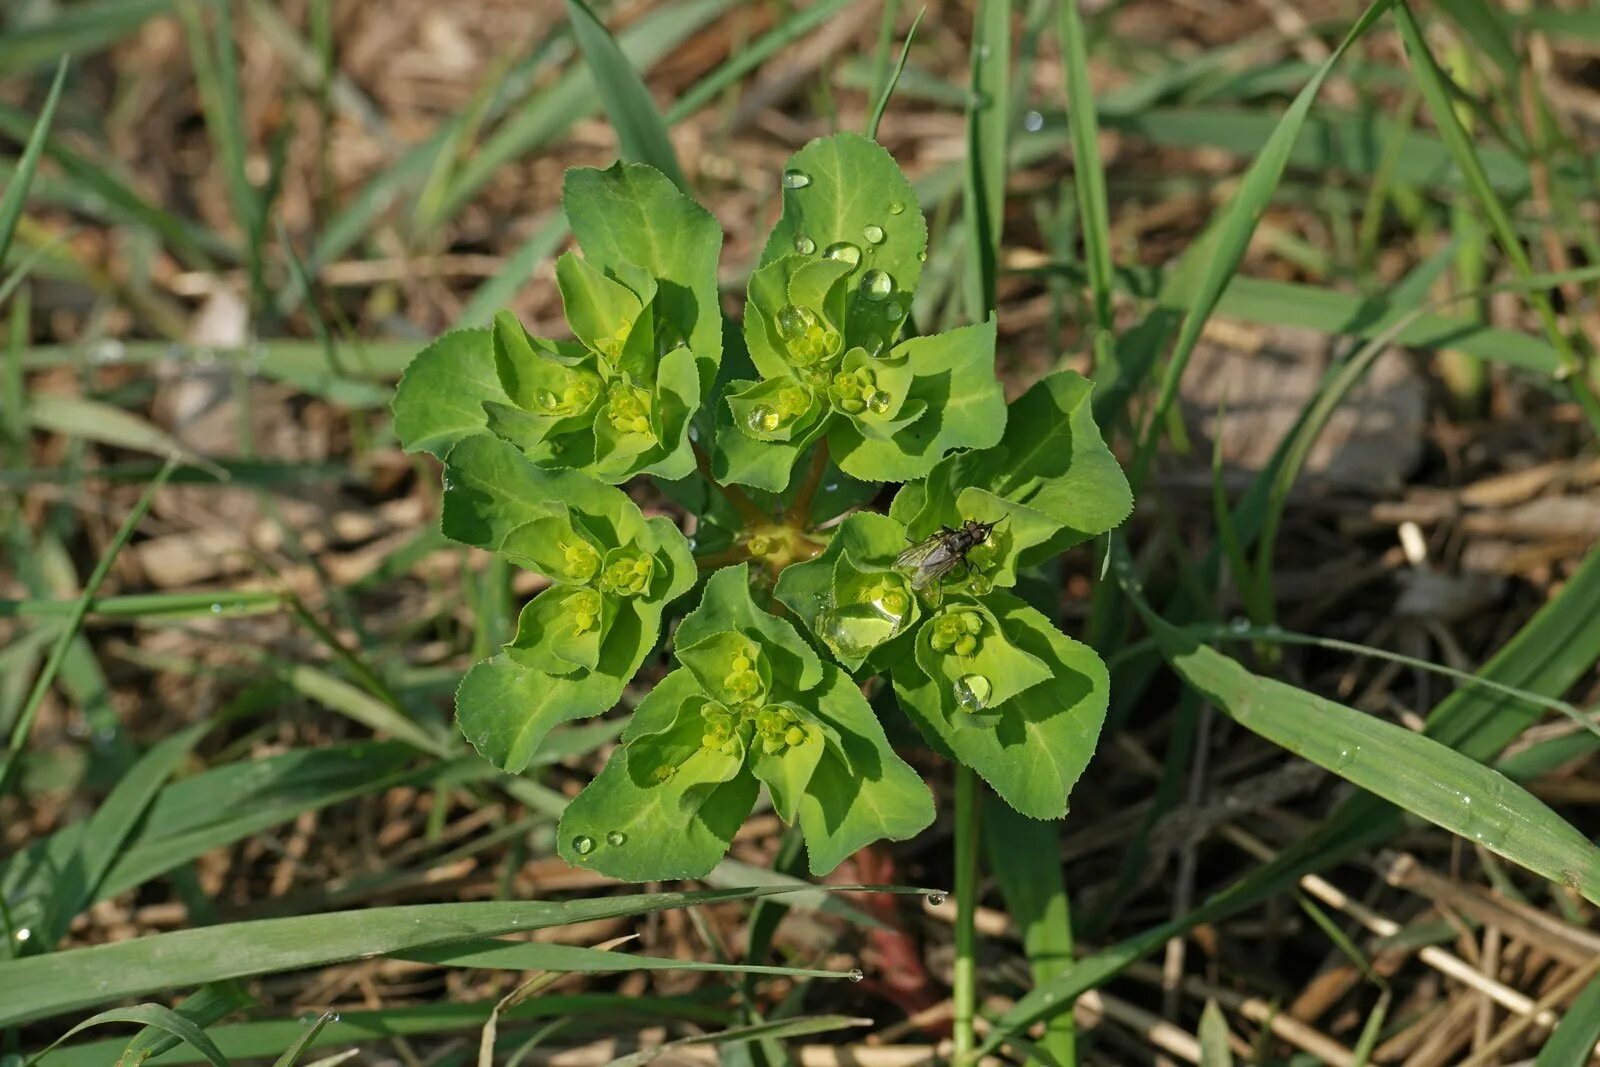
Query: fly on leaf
[{"x": 931, "y": 559}]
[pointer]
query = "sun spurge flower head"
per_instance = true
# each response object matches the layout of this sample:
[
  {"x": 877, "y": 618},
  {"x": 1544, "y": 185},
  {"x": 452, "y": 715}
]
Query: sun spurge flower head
[{"x": 751, "y": 706}]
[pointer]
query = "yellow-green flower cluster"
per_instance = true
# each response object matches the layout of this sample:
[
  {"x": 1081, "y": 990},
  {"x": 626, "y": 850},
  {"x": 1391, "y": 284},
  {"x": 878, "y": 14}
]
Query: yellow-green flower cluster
[{"x": 956, "y": 632}]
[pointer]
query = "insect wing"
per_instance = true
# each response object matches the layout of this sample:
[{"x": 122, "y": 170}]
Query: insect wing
[{"x": 928, "y": 560}]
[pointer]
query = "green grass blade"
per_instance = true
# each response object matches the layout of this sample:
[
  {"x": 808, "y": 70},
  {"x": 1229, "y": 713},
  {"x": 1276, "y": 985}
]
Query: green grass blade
[
  {"x": 886, "y": 91},
  {"x": 1441, "y": 105},
  {"x": 1572, "y": 1042},
  {"x": 988, "y": 120},
  {"x": 58, "y": 653},
  {"x": 292, "y": 1054},
  {"x": 740, "y": 1035},
  {"x": 640, "y": 130},
  {"x": 751, "y": 55},
  {"x": 209, "y": 1005},
  {"x": 1216, "y": 256},
  {"x": 68, "y": 981},
  {"x": 92, "y": 420},
  {"x": 1025, "y": 857},
  {"x": 1089, "y": 181},
  {"x": 579, "y": 959},
  {"x": 156, "y": 1015},
  {"x": 1214, "y": 1048},
  {"x": 16, "y": 193},
  {"x": 73, "y": 30}
]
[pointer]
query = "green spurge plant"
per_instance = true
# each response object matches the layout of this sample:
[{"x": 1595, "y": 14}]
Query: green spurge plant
[{"x": 777, "y": 450}]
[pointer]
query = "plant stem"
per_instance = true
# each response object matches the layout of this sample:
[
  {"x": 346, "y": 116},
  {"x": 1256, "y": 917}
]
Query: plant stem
[
  {"x": 748, "y": 509},
  {"x": 800, "y": 509},
  {"x": 964, "y": 991}
]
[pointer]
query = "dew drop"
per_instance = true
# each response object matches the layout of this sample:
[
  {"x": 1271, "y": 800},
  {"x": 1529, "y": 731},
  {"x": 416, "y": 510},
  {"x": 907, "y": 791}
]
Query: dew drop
[
  {"x": 844, "y": 252},
  {"x": 583, "y": 845},
  {"x": 972, "y": 692},
  {"x": 216, "y": 609},
  {"x": 922, "y": 257},
  {"x": 857, "y": 974},
  {"x": 794, "y": 322},
  {"x": 896, "y": 208},
  {"x": 893, "y": 311},
  {"x": 24, "y": 933},
  {"x": 796, "y": 179},
  {"x": 873, "y": 233},
  {"x": 878, "y": 402},
  {"x": 876, "y": 284},
  {"x": 616, "y": 837},
  {"x": 336, "y": 1017},
  {"x": 1033, "y": 121},
  {"x": 804, "y": 245},
  {"x": 1239, "y": 625},
  {"x": 936, "y": 898},
  {"x": 763, "y": 418}
]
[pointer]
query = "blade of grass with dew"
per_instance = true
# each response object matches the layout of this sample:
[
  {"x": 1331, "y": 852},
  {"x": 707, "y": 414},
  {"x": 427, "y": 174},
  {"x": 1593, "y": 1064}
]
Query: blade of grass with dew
[
  {"x": 580, "y": 959},
  {"x": 144, "y": 606},
  {"x": 1572, "y": 1042},
  {"x": 1089, "y": 181},
  {"x": 1436, "y": 91},
  {"x": 361, "y": 706},
  {"x": 259, "y": 1040},
  {"x": 1548, "y": 655},
  {"x": 80, "y": 978},
  {"x": 47, "y": 675},
  {"x": 292, "y": 1054},
  {"x": 1229, "y": 236},
  {"x": 988, "y": 118},
  {"x": 149, "y": 1015},
  {"x": 1025, "y": 858},
  {"x": 884, "y": 92},
  {"x": 16, "y": 192},
  {"x": 640, "y": 131}
]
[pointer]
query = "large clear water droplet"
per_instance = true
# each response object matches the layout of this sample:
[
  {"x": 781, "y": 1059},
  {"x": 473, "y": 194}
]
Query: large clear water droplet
[
  {"x": 796, "y": 179},
  {"x": 794, "y": 321},
  {"x": 893, "y": 311},
  {"x": 896, "y": 208},
  {"x": 936, "y": 898},
  {"x": 763, "y": 418},
  {"x": 616, "y": 837},
  {"x": 1033, "y": 121},
  {"x": 857, "y": 974},
  {"x": 583, "y": 845},
  {"x": 973, "y": 692},
  {"x": 844, "y": 252},
  {"x": 804, "y": 245},
  {"x": 878, "y": 402},
  {"x": 873, "y": 233},
  {"x": 876, "y": 284}
]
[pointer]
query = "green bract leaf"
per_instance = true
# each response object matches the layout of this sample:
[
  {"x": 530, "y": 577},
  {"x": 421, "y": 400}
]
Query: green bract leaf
[
  {"x": 754, "y": 705},
  {"x": 1032, "y": 747},
  {"x": 976, "y": 668},
  {"x": 1053, "y": 459},
  {"x": 850, "y": 596},
  {"x": 844, "y": 199},
  {"x": 953, "y": 375},
  {"x": 579, "y": 642},
  {"x": 440, "y": 397}
]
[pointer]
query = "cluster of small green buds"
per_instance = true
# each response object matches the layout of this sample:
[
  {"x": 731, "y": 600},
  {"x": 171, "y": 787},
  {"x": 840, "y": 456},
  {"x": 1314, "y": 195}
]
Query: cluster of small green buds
[
  {"x": 722, "y": 730},
  {"x": 857, "y": 391},
  {"x": 581, "y": 558},
  {"x": 957, "y": 631},
  {"x": 628, "y": 575},
  {"x": 813, "y": 346},
  {"x": 610, "y": 348},
  {"x": 778, "y": 728},
  {"x": 628, "y": 407},
  {"x": 585, "y": 608},
  {"x": 791, "y": 402},
  {"x": 576, "y": 397},
  {"x": 742, "y": 681},
  {"x": 888, "y": 597}
]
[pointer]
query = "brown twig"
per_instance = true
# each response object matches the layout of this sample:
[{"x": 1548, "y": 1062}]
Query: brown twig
[
  {"x": 748, "y": 509},
  {"x": 800, "y": 509}
]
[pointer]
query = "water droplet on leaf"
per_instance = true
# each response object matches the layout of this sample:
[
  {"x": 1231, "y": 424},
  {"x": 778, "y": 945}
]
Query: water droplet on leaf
[
  {"x": 583, "y": 845},
  {"x": 805, "y": 245},
  {"x": 936, "y": 898},
  {"x": 844, "y": 252},
  {"x": 857, "y": 974},
  {"x": 973, "y": 692},
  {"x": 876, "y": 284},
  {"x": 796, "y": 179},
  {"x": 1033, "y": 121},
  {"x": 893, "y": 311},
  {"x": 616, "y": 837},
  {"x": 763, "y": 418},
  {"x": 873, "y": 233},
  {"x": 896, "y": 208}
]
